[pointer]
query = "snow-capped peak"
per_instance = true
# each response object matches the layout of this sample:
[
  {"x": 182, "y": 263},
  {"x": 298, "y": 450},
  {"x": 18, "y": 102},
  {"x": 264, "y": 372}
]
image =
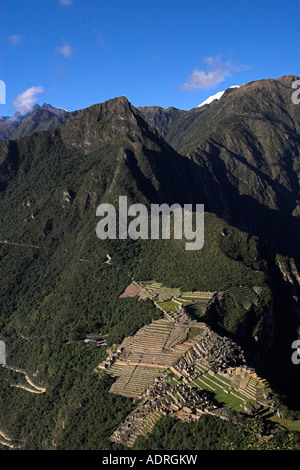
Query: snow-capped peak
[{"x": 217, "y": 96}]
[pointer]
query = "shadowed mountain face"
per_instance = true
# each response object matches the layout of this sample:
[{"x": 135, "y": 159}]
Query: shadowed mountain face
[
  {"x": 245, "y": 148},
  {"x": 165, "y": 120}
]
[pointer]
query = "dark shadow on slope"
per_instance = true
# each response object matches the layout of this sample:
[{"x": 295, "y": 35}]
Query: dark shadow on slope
[
  {"x": 278, "y": 231},
  {"x": 144, "y": 185}
]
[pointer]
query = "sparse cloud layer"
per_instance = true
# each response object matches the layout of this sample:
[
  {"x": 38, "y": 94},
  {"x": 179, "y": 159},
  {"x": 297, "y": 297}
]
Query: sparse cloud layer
[
  {"x": 216, "y": 71},
  {"x": 24, "y": 102},
  {"x": 14, "y": 39},
  {"x": 65, "y": 50}
]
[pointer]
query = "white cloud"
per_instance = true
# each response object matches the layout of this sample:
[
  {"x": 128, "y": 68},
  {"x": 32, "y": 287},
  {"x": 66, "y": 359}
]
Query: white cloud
[
  {"x": 65, "y": 50},
  {"x": 66, "y": 2},
  {"x": 215, "y": 73},
  {"x": 14, "y": 39},
  {"x": 24, "y": 102}
]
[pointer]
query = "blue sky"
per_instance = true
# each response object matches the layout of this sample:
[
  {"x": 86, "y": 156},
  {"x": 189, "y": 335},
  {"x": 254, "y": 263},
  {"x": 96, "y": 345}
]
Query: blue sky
[{"x": 74, "y": 53}]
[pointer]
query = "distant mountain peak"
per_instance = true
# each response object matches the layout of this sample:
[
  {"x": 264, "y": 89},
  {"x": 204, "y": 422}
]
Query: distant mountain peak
[
  {"x": 53, "y": 110},
  {"x": 39, "y": 118}
]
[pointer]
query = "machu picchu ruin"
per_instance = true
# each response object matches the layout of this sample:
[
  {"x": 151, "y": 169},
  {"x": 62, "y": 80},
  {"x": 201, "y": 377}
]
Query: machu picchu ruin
[{"x": 177, "y": 365}]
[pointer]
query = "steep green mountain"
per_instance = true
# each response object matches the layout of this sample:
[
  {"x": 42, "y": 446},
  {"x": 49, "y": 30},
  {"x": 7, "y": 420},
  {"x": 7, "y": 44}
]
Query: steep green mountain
[
  {"x": 56, "y": 286},
  {"x": 52, "y": 183}
]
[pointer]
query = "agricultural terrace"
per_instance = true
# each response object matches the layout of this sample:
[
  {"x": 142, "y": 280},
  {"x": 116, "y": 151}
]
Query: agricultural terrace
[
  {"x": 170, "y": 300},
  {"x": 245, "y": 296},
  {"x": 189, "y": 389},
  {"x": 143, "y": 357}
]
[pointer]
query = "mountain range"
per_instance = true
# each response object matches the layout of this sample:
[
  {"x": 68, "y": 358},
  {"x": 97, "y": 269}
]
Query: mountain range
[
  {"x": 238, "y": 155},
  {"x": 39, "y": 118}
]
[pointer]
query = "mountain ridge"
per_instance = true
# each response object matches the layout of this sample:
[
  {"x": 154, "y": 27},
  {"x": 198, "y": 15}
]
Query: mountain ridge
[{"x": 39, "y": 118}]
